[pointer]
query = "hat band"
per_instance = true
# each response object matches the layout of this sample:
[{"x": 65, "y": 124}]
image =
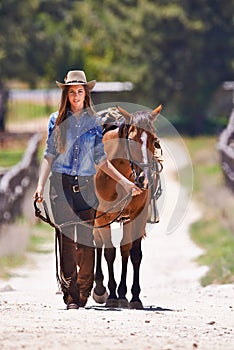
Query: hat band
[{"x": 76, "y": 81}]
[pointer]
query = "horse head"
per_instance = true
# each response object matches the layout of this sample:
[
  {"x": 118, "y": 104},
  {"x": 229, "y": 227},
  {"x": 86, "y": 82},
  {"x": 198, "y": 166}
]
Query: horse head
[{"x": 141, "y": 140}]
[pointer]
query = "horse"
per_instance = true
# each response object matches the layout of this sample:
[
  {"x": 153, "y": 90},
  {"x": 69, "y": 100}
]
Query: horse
[{"x": 130, "y": 144}]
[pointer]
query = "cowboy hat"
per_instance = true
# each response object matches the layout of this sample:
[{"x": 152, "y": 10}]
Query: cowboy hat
[{"x": 76, "y": 77}]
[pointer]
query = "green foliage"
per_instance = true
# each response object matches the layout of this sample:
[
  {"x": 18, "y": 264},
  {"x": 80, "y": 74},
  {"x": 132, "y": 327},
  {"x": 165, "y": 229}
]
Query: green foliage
[{"x": 175, "y": 52}]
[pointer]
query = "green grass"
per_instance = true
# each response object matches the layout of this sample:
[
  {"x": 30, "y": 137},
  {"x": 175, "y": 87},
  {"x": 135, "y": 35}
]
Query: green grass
[
  {"x": 10, "y": 157},
  {"x": 24, "y": 111},
  {"x": 218, "y": 243},
  {"x": 214, "y": 232},
  {"x": 41, "y": 241},
  {"x": 12, "y": 151},
  {"x": 205, "y": 160},
  {"x": 8, "y": 263},
  {"x": 42, "y": 236}
]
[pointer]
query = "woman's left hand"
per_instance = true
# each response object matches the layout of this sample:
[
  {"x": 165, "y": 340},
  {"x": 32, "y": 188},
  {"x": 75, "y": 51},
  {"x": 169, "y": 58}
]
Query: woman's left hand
[{"x": 131, "y": 187}]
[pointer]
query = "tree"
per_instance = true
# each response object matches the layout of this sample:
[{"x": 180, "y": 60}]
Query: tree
[
  {"x": 32, "y": 42},
  {"x": 175, "y": 52},
  {"x": 208, "y": 59}
]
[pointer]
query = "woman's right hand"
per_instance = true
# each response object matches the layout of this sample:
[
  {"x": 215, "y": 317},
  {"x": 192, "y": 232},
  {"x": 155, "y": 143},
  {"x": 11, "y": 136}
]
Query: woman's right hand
[{"x": 39, "y": 193}]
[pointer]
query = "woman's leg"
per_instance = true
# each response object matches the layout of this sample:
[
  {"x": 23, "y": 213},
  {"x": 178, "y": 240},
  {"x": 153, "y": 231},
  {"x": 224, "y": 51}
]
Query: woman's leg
[
  {"x": 85, "y": 278},
  {"x": 76, "y": 243},
  {"x": 85, "y": 255},
  {"x": 69, "y": 285},
  {"x": 62, "y": 213}
]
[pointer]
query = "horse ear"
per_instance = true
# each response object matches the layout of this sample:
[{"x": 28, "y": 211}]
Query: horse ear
[
  {"x": 155, "y": 112},
  {"x": 124, "y": 113}
]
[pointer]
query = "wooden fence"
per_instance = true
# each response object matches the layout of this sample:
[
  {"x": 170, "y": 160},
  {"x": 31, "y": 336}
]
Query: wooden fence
[
  {"x": 15, "y": 182},
  {"x": 226, "y": 149}
]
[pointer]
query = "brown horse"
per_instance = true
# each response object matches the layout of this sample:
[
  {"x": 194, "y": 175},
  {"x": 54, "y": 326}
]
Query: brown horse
[{"x": 130, "y": 145}]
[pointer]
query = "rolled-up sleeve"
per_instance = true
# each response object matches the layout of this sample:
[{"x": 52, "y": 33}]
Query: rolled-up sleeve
[
  {"x": 99, "y": 153},
  {"x": 50, "y": 142}
]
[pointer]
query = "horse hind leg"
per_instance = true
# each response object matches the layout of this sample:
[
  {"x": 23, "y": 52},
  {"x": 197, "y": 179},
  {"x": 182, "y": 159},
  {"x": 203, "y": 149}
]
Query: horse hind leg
[
  {"x": 122, "y": 289},
  {"x": 103, "y": 241}
]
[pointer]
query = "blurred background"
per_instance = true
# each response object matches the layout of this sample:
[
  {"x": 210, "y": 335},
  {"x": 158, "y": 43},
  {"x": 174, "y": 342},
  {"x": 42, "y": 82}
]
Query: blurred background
[{"x": 179, "y": 53}]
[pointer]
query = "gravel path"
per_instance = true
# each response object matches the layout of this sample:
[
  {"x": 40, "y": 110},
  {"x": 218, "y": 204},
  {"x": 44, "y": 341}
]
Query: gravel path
[{"x": 178, "y": 313}]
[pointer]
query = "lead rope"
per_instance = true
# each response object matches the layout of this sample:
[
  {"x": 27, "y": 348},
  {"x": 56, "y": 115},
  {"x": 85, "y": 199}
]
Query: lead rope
[
  {"x": 58, "y": 232},
  {"x": 47, "y": 219}
]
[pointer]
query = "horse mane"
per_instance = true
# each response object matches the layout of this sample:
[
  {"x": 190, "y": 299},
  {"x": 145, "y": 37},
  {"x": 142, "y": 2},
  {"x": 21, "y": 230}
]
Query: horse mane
[
  {"x": 142, "y": 120},
  {"x": 111, "y": 119}
]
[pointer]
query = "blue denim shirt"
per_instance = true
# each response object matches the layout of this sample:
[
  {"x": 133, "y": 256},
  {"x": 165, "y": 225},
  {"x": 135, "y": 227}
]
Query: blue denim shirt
[{"x": 84, "y": 147}]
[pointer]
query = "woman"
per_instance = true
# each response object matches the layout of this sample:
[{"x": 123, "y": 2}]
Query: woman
[{"x": 74, "y": 148}]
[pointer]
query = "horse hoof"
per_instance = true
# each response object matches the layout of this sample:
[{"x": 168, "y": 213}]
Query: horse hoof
[
  {"x": 100, "y": 299},
  {"x": 123, "y": 303},
  {"x": 137, "y": 305},
  {"x": 112, "y": 303}
]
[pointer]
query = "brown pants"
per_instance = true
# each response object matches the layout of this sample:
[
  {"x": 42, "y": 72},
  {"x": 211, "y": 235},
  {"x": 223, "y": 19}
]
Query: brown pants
[
  {"x": 76, "y": 246},
  {"x": 77, "y": 270}
]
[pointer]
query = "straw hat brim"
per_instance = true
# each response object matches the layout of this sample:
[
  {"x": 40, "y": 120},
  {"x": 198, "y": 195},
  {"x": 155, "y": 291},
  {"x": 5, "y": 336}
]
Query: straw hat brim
[{"x": 90, "y": 84}]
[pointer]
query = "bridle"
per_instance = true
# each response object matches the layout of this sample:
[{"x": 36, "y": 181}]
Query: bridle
[{"x": 155, "y": 166}]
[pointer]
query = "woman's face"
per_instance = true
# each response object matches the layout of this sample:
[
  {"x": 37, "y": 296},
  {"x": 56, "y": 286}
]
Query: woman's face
[{"x": 76, "y": 97}]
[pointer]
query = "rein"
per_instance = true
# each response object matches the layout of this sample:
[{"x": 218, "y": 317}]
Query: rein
[{"x": 48, "y": 220}]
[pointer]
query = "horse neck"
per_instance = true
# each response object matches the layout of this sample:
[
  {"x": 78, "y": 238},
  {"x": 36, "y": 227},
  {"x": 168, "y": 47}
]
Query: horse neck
[{"x": 115, "y": 144}]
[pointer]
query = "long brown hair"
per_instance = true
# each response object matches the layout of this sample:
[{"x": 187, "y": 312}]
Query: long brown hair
[{"x": 60, "y": 126}]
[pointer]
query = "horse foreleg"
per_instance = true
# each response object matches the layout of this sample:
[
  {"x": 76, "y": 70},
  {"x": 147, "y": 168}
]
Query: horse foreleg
[
  {"x": 100, "y": 294},
  {"x": 110, "y": 254},
  {"x": 136, "y": 257},
  {"x": 122, "y": 289}
]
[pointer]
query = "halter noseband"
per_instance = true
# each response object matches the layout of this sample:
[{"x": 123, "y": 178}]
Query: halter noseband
[{"x": 130, "y": 158}]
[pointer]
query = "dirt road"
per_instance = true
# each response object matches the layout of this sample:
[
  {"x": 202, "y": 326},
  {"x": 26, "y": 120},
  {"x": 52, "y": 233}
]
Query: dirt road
[{"x": 178, "y": 313}]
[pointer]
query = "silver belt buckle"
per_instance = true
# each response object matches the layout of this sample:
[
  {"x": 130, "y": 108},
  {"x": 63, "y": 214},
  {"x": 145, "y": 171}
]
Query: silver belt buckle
[{"x": 75, "y": 188}]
